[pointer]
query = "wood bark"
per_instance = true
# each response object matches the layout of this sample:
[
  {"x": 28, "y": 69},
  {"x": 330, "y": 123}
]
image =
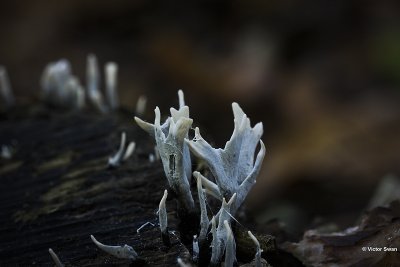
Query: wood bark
[{"x": 57, "y": 190}]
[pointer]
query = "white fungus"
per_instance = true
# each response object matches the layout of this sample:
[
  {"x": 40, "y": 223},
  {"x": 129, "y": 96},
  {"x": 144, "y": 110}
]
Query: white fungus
[
  {"x": 230, "y": 248},
  {"x": 143, "y": 226},
  {"x": 93, "y": 84},
  {"x": 204, "y": 221},
  {"x": 151, "y": 158},
  {"x": 122, "y": 252},
  {"x": 173, "y": 151},
  {"x": 55, "y": 258},
  {"x": 220, "y": 234},
  {"x": 61, "y": 88},
  {"x": 257, "y": 258},
  {"x": 195, "y": 249},
  {"x": 141, "y": 105},
  {"x": 6, "y": 152},
  {"x": 111, "y": 71},
  {"x": 182, "y": 264},
  {"x": 162, "y": 213},
  {"x": 5, "y": 88},
  {"x": 123, "y": 153},
  {"x": 233, "y": 167}
]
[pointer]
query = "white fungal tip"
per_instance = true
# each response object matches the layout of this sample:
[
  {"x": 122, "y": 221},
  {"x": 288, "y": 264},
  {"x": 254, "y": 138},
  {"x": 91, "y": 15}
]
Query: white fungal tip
[
  {"x": 122, "y": 252},
  {"x": 149, "y": 128},
  {"x": 115, "y": 160},
  {"x": 123, "y": 152},
  {"x": 60, "y": 87},
  {"x": 5, "y": 88},
  {"x": 123, "y": 141},
  {"x": 233, "y": 198},
  {"x": 111, "y": 70},
  {"x": 55, "y": 258},
  {"x": 254, "y": 239},
  {"x": 162, "y": 213},
  {"x": 129, "y": 150},
  {"x": 164, "y": 198},
  {"x": 181, "y": 97},
  {"x": 181, "y": 263},
  {"x": 157, "y": 120},
  {"x": 92, "y": 73},
  {"x": 257, "y": 259},
  {"x": 6, "y": 152},
  {"x": 141, "y": 105},
  {"x": 93, "y": 83}
]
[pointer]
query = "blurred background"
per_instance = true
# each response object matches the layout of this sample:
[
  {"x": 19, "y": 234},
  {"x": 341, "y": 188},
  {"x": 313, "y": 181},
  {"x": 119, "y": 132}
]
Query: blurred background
[{"x": 322, "y": 76}]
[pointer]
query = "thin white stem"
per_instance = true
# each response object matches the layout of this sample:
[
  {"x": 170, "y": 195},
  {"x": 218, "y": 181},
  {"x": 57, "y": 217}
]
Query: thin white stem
[
  {"x": 230, "y": 249},
  {"x": 55, "y": 258},
  {"x": 215, "y": 242},
  {"x": 115, "y": 160},
  {"x": 204, "y": 222},
  {"x": 143, "y": 226},
  {"x": 196, "y": 249},
  {"x": 182, "y": 264},
  {"x": 141, "y": 105},
  {"x": 162, "y": 213},
  {"x": 111, "y": 71},
  {"x": 129, "y": 151},
  {"x": 211, "y": 188},
  {"x": 181, "y": 97},
  {"x": 257, "y": 257},
  {"x": 93, "y": 83},
  {"x": 5, "y": 88},
  {"x": 122, "y": 252}
]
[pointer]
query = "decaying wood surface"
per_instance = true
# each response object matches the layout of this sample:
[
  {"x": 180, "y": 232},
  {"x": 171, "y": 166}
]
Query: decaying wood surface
[{"x": 56, "y": 190}]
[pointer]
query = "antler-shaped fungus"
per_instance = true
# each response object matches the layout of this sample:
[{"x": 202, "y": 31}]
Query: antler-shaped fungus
[
  {"x": 233, "y": 167},
  {"x": 173, "y": 151}
]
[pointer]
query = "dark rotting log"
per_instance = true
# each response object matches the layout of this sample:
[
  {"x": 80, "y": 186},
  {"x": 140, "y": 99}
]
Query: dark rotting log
[{"x": 56, "y": 191}]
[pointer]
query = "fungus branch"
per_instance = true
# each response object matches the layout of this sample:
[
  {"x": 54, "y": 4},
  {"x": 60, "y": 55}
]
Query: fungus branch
[
  {"x": 204, "y": 221},
  {"x": 233, "y": 167},
  {"x": 173, "y": 151},
  {"x": 220, "y": 233},
  {"x": 163, "y": 219},
  {"x": 162, "y": 213},
  {"x": 122, "y": 252},
  {"x": 230, "y": 249}
]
